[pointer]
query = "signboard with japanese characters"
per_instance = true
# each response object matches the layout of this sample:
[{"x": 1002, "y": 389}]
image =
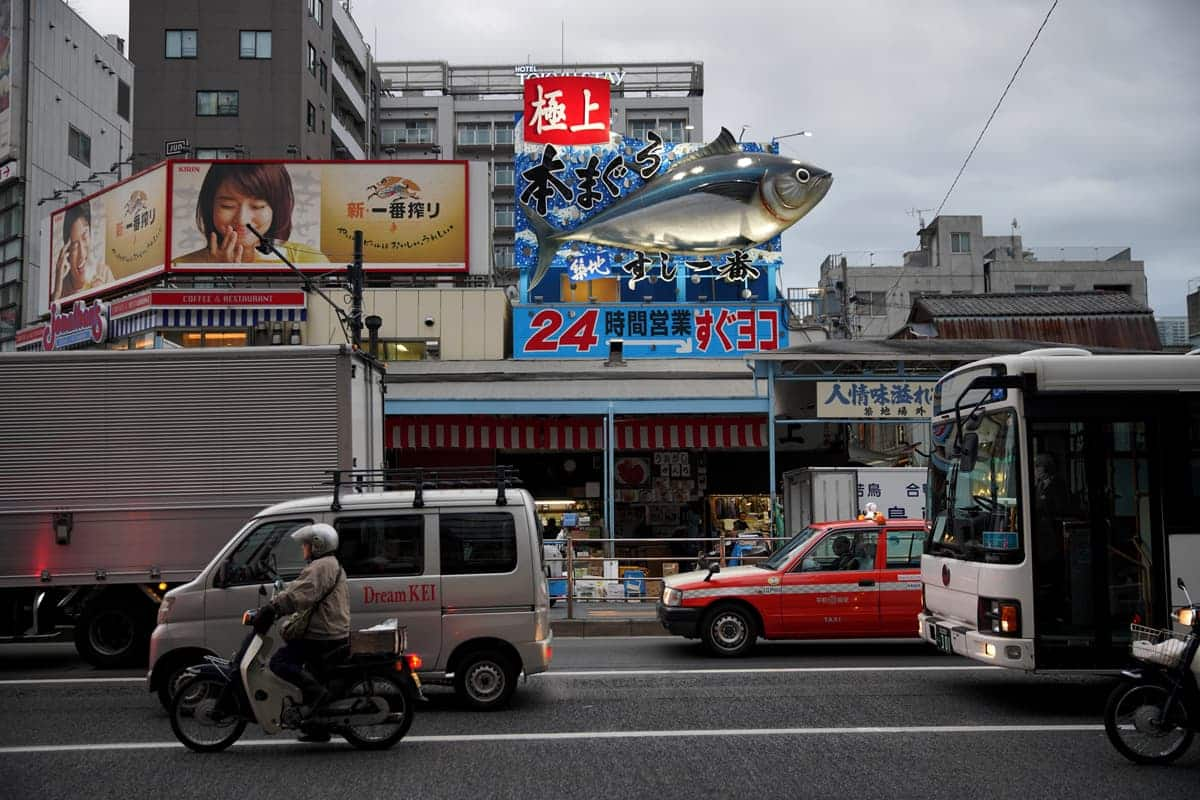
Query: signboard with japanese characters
[
  {"x": 567, "y": 110},
  {"x": 875, "y": 400},
  {"x": 655, "y": 330},
  {"x": 413, "y": 215},
  {"x": 896, "y": 493}
]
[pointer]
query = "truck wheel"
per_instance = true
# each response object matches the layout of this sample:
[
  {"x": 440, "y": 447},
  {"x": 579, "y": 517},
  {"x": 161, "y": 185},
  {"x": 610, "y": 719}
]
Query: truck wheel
[
  {"x": 485, "y": 680},
  {"x": 729, "y": 631},
  {"x": 112, "y": 635}
]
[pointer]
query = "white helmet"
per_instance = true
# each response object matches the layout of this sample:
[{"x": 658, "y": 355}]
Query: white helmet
[{"x": 322, "y": 537}]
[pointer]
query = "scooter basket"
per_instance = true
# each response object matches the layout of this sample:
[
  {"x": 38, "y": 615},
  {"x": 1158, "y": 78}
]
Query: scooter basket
[
  {"x": 1157, "y": 646},
  {"x": 386, "y": 637}
]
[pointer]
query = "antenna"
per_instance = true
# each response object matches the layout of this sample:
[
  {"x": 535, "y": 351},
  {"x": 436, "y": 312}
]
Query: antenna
[{"x": 919, "y": 213}]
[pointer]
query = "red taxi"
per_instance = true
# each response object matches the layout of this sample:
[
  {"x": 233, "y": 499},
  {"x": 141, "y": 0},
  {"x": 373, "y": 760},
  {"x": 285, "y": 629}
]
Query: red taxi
[{"x": 832, "y": 580}]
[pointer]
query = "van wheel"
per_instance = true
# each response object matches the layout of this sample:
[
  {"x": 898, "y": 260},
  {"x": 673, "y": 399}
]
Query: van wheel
[
  {"x": 729, "y": 631},
  {"x": 111, "y": 635},
  {"x": 485, "y": 680}
]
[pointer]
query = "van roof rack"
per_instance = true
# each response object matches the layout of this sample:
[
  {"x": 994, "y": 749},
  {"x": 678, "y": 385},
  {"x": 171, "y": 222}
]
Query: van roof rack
[{"x": 418, "y": 479}]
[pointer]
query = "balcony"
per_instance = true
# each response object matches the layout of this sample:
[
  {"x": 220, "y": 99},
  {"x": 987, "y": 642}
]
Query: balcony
[
  {"x": 345, "y": 137},
  {"x": 351, "y": 93},
  {"x": 345, "y": 27}
]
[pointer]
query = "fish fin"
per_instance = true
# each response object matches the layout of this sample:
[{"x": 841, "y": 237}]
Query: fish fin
[
  {"x": 722, "y": 145},
  {"x": 547, "y": 244},
  {"x": 733, "y": 190}
]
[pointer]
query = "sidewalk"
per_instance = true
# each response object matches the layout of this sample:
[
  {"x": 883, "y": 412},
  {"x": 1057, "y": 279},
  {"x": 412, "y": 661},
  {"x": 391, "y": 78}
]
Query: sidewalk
[{"x": 605, "y": 618}]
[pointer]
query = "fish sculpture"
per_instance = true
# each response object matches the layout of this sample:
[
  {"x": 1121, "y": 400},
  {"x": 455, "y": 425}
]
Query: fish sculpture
[
  {"x": 392, "y": 186},
  {"x": 716, "y": 199}
]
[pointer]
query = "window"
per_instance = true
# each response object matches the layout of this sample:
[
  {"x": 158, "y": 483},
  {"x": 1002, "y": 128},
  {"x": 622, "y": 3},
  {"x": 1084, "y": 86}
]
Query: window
[
  {"x": 311, "y": 118},
  {"x": 323, "y": 74},
  {"x": 504, "y": 215},
  {"x": 255, "y": 44},
  {"x": 504, "y": 175},
  {"x": 316, "y": 10},
  {"x": 216, "y": 153},
  {"x": 123, "y": 99},
  {"x": 502, "y": 256},
  {"x": 871, "y": 304},
  {"x": 904, "y": 549},
  {"x": 1114, "y": 287},
  {"x": 840, "y": 551},
  {"x": 11, "y": 221},
  {"x": 671, "y": 130},
  {"x": 251, "y": 561},
  {"x": 504, "y": 133},
  {"x": 480, "y": 543},
  {"x": 79, "y": 145},
  {"x": 216, "y": 104},
  {"x": 181, "y": 44},
  {"x": 393, "y": 545},
  {"x": 413, "y": 131},
  {"x": 960, "y": 243},
  {"x": 1067, "y": 287},
  {"x": 474, "y": 133},
  {"x": 312, "y": 59},
  {"x": 1030, "y": 288},
  {"x": 408, "y": 351}
]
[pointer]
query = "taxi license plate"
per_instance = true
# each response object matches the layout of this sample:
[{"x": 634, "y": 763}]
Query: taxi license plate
[{"x": 942, "y": 636}]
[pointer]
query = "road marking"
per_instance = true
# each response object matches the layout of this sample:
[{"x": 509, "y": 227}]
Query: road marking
[{"x": 908, "y": 730}]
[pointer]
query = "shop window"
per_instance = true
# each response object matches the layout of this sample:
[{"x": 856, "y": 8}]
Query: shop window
[
  {"x": 599, "y": 290},
  {"x": 407, "y": 351},
  {"x": 181, "y": 44},
  {"x": 393, "y": 545},
  {"x": 478, "y": 544},
  {"x": 207, "y": 338}
]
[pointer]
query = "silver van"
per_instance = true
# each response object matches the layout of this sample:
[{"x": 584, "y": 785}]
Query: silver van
[{"x": 460, "y": 568}]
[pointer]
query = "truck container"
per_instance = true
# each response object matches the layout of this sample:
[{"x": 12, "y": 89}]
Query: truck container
[
  {"x": 124, "y": 472},
  {"x": 827, "y": 494}
]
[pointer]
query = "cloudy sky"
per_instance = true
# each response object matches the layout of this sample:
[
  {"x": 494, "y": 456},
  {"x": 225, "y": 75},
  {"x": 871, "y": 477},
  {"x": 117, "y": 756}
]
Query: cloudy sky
[{"x": 1097, "y": 143}]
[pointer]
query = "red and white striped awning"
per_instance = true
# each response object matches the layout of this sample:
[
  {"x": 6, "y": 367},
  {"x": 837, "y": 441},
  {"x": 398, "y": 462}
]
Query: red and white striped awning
[{"x": 567, "y": 434}]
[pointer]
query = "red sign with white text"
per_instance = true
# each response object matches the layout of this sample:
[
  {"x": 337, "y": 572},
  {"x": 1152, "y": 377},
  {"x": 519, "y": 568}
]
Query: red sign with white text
[{"x": 567, "y": 110}]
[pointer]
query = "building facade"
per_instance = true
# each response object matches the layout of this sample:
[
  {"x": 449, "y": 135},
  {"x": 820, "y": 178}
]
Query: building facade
[
  {"x": 66, "y": 106},
  {"x": 275, "y": 79},
  {"x": 955, "y": 257},
  {"x": 1173, "y": 331},
  {"x": 436, "y": 110}
]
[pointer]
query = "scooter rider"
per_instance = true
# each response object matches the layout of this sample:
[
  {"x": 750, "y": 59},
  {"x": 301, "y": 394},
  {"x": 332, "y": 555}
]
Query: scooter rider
[{"x": 322, "y": 587}]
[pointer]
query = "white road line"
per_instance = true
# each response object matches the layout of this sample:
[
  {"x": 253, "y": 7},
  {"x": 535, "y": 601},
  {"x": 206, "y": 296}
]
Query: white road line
[
  {"x": 907, "y": 730},
  {"x": 51, "y": 681}
]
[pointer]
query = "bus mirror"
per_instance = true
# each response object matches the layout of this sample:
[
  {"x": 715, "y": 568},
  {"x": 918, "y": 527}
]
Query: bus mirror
[{"x": 969, "y": 452}]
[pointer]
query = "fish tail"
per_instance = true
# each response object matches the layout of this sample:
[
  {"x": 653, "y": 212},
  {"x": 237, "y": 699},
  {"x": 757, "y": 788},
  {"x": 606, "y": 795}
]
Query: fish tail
[{"x": 547, "y": 241}]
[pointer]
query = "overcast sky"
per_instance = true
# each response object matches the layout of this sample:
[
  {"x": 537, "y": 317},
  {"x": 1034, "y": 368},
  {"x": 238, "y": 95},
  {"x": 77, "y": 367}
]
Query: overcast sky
[{"x": 1097, "y": 143}]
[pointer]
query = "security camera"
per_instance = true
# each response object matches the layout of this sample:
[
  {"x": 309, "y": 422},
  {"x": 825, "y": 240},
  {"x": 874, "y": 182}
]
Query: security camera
[{"x": 429, "y": 321}]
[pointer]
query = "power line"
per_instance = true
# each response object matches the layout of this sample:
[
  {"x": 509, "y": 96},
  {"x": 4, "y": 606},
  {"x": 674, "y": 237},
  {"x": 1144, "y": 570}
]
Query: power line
[{"x": 997, "y": 108}]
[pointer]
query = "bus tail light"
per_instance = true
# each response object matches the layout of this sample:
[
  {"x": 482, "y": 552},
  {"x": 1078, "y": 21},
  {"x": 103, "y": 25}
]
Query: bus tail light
[{"x": 1000, "y": 617}]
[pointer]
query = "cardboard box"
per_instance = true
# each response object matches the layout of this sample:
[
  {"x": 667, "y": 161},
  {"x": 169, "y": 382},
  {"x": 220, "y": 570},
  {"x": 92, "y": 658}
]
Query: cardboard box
[{"x": 670, "y": 568}]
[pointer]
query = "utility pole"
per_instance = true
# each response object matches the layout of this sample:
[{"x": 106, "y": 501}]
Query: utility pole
[{"x": 354, "y": 274}]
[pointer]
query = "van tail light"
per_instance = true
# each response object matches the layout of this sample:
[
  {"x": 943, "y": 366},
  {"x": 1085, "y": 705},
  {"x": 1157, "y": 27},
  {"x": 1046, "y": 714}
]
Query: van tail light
[{"x": 1000, "y": 617}]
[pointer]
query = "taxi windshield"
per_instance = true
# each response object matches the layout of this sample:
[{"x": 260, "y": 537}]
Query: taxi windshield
[{"x": 785, "y": 553}]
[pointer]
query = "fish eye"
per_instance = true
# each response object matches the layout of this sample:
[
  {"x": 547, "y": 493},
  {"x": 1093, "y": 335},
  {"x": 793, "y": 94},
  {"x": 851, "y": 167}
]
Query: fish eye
[{"x": 803, "y": 175}]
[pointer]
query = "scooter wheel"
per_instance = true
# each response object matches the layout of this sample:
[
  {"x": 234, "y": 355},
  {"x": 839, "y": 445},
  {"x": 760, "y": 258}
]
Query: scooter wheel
[
  {"x": 193, "y": 721},
  {"x": 1133, "y": 720},
  {"x": 401, "y": 701}
]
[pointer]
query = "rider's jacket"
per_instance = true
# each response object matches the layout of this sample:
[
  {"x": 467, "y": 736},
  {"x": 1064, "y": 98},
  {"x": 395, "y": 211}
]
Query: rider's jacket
[{"x": 331, "y": 620}]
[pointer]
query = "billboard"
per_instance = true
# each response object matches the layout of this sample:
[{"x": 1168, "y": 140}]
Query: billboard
[
  {"x": 413, "y": 215},
  {"x": 5, "y": 79},
  {"x": 874, "y": 400},
  {"x": 567, "y": 110},
  {"x": 112, "y": 238},
  {"x": 668, "y": 330}
]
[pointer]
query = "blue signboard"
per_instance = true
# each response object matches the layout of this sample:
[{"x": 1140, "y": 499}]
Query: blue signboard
[{"x": 647, "y": 330}]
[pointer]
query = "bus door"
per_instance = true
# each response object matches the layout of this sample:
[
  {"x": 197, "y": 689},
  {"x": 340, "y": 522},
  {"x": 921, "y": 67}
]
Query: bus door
[{"x": 1097, "y": 538}]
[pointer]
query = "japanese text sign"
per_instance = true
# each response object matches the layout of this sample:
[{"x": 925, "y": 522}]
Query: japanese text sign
[
  {"x": 567, "y": 110},
  {"x": 647, "y": 331},
  {"x": 874, "y": 400}
]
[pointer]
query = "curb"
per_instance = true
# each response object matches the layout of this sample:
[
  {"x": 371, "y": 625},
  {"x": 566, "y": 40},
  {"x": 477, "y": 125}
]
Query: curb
[{"x": 589, "y": 628}]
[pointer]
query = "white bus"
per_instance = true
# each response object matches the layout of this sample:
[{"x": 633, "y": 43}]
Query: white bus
[{"x": 1064, "y": 499}]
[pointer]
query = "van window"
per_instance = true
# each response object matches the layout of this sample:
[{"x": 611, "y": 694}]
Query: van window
[
  {"x": 391, "y": 545},
  {"x": 474, "y": 544},
  {"x": 904, "y": 548},
  {"x": 251, "y": 561}
]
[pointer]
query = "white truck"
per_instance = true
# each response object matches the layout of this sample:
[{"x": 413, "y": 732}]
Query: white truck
[
  {"x": 826, "y": 494},
  {"x": 124, "y": 472}
]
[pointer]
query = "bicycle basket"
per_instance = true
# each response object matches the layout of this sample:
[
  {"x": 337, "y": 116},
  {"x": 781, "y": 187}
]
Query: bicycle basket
[{"x": 1157, "y": 646}]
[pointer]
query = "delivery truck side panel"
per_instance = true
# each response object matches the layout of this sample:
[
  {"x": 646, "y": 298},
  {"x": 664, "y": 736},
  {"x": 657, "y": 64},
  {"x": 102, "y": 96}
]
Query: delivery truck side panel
[
  {"x": 127, "y": 470},
  {"x": 826, "y": 494}
]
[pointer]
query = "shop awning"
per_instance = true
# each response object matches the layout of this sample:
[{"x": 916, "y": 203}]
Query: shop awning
[
  {"x": 208, "y": 308},
  {"x": 576, "y": 433}
]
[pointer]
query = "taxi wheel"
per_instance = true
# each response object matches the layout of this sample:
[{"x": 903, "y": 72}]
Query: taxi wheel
[{"x": 729, "y": 631}]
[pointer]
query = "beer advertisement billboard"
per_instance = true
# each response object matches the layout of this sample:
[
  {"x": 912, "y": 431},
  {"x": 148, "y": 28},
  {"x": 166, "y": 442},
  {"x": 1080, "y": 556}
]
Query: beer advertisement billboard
[{"x": 413, "y": 215}]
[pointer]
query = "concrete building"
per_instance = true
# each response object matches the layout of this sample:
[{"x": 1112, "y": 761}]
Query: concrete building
[
  {"x": 955, "y": 257},
  {"x": 1193, "y": 312},
  {"x": 1173, "y": 331},
  {"x": 274, "y": 79},
  {"x": 435, "y": 110},
  {"x": 66, "y": 106}
]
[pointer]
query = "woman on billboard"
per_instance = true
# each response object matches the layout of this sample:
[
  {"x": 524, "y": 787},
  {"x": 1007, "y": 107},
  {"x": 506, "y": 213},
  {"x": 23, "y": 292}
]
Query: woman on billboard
[
  {"x": 75, "y": 270},
  {"x": 236, "y": 195}
]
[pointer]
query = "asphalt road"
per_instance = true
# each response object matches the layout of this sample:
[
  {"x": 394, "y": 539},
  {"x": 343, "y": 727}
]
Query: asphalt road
[{"x": 639, "y": 717}]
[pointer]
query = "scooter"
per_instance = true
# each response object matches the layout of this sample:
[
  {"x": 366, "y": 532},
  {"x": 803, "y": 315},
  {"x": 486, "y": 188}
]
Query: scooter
[
  {"x": 1153, "y": 715},
  {"x": 370, "y": 700}
]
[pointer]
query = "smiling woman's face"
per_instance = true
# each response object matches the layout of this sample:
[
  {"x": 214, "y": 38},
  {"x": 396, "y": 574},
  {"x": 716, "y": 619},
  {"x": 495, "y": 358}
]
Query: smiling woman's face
[{"x": 233, "y": 209}]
